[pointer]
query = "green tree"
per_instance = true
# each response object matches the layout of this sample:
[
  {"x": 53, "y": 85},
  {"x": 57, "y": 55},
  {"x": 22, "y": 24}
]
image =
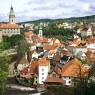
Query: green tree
[
  {"x": 22, "y": 47},
  {"x": 10, "y": 42},
  {"x": 4, "y": 60}
]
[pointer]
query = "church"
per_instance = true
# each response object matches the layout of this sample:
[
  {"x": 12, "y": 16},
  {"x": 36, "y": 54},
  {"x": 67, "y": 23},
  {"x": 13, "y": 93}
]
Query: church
[{"x": 10, "y": 28}]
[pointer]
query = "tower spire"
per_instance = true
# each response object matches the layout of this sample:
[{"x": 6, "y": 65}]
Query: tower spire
[{"x": 11, "y": 15}]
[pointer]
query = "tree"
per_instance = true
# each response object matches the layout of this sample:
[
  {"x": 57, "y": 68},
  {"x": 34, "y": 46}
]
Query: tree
[
  {"x": 22, "y": 47},
  {"x": 10, "y": 42},
  {"x": 4, "y": 60}
]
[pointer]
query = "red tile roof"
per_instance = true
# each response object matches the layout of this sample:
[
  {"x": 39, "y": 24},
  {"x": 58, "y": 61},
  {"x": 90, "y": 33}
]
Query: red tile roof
[
  {"x": 25, "y": 70},
  {"x": 88, "y": 53},
  {"x": 33, "y": 66},
  {"x": 49, "y": 47},
  {"x": 43, "y": 62},
  {"x": 45, "y": 40},
  {"x": 54, "y": 80},
  {"x": 9, "y": 26},
  {"x": 74, "y": 68},
  {"x": 90, "y": 40},
  {"x": 66, "y": 52}
]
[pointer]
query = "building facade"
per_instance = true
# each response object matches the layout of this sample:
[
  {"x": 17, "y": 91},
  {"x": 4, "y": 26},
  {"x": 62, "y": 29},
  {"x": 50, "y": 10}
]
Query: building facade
[{"x": 10, "y": 28}]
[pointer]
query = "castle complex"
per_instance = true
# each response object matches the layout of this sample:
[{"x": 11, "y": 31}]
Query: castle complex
[{"x": 10, "y": 28}]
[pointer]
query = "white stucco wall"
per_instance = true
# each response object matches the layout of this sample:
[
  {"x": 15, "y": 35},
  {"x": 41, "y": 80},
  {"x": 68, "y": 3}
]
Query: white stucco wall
[
  {"x": 68, "y": 80},
  {"x": 10, "y": 32},
  {"x": 35, "y": 55},
  {"x": 21, "y": 66},
  {"x": 43, "y": 73}
]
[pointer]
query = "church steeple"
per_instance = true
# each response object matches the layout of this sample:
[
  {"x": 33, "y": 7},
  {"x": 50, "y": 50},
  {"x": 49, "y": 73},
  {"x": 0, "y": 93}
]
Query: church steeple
[{"x": 11, "y": 16}]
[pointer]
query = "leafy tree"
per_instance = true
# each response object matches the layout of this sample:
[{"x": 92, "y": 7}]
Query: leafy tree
[
  {"x": 10, "y": 42},
  {"x": 23, "y": 30},
  {"x": 22, "y": 47},
  {"x": 4, "y": 60}
]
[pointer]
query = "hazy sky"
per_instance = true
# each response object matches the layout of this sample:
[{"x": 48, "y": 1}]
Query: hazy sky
[{"x": 38, "y": 9}]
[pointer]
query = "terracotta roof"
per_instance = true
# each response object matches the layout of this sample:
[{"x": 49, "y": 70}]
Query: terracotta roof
[
  {"x": 90, "y": 40},
  {"x": 54, "y": 80},
  {"x": 45, "y": 40},
  {"x": 57, "y": 70},
  {"x": 23, "y": 61},
  {"x": 56, "y": 58},
  {"x": 33, "y": 66},
  {"x": 66, "y": 52},
  {"x": 9, "y": 26},
  {"x": 90, "y": 61},
  {"x": 88, "y": 53},
  {"x": 49, "y": 47},
  {"x": 43, "y": 62},
  {"x": 52, "y": 52},
  {"x": 92, "y": 55},
  {"x": 77, "y": 46},
  {"x": 24, "y": 70},
  {"x": 75, "y": 42},
  {"x": 74, "y": 68}
]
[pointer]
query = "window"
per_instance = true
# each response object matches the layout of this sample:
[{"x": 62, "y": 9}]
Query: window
[
  {"x": 69, "y": 82},
  {"x": 54, "y": 75},
  {"x": 42, "y": 73},
  {"x": 42, "y": 77},
  {"x": 42, "y": 69}
]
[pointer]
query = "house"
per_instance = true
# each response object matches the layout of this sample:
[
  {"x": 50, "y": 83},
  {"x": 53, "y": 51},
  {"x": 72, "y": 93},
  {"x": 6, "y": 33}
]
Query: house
[
  {"x": 50, "y": 51},
  {"x": 76, "y": 49},
  {"x": 38, "y": 70},
  {"x": 28, "y": 36},
  {"x": 90, "y": 43},
  {"x": 73, "y": 70},
  {"x": 87, "y": 32},
  {"x": 35, "y": 55},
  {"x": 22, "y": 64},
  {"x": 29, "y": 71},
  {"x": 44, "y": 68},
  {"x": 54, "y": 79}
]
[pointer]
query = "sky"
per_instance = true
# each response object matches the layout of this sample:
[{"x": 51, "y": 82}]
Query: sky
[{"x": 29, "y": 10}]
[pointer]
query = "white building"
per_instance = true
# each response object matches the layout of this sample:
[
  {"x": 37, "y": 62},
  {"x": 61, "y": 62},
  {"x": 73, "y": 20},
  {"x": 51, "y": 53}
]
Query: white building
[{"x": 43, "y": 68}]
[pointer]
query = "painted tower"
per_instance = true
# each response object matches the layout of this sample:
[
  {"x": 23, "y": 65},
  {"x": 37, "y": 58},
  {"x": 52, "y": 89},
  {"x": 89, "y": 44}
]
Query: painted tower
[
  {"x": 11, "y": 16},
  {"x": 40, "y": 32}
]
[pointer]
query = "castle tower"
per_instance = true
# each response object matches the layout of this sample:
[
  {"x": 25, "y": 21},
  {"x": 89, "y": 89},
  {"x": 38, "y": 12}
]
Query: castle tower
[
  {"x": 11, "y": 16},
  {"x": 40, "y": 32}
]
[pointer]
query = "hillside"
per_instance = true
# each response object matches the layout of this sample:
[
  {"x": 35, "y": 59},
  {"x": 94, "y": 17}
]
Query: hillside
[{"x": 61, "y": 20}]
